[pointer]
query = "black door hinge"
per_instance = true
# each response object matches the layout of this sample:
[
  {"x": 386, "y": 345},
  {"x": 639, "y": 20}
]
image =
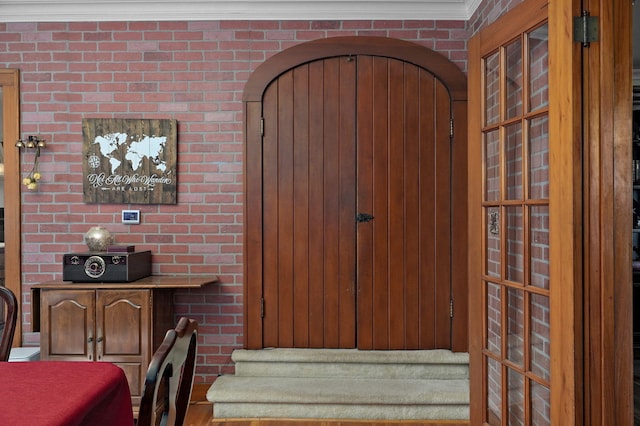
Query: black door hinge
[{"x": 585, "y": 28}]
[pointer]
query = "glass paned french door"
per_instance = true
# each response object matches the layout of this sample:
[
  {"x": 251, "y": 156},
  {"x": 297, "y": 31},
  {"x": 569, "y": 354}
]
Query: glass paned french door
[{"x": 514, "y": 282}]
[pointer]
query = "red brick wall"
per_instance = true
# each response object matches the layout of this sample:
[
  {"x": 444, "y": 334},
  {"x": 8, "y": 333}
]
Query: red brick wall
[{"x": 193, "y": 72}]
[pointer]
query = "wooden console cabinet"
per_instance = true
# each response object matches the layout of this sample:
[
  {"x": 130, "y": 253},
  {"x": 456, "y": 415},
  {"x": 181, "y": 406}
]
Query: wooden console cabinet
[{"x": 122, "y": 323}]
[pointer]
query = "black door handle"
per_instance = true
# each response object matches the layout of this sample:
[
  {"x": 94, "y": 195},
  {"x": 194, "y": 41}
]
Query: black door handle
[{"x": 364, "y": 217}]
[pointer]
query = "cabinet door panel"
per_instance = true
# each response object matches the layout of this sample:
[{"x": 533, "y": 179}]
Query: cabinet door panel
[
  {"x": 123, "y": 327},
  {"x": 68, "y": 324},
  {"x": 135, "y": 373},
  {"x": 122, "y": 322}
]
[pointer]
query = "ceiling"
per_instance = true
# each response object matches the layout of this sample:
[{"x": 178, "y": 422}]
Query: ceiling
[{"x": 163, "y": 10}]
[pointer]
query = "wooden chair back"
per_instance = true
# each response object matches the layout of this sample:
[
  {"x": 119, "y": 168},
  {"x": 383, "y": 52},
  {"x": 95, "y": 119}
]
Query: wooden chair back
[
  {"x": 8, "y": 319},
  {"x": 169, "y": 380}
]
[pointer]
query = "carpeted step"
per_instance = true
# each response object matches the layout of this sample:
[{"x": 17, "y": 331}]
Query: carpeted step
[
  {"x": 344, "y": 384},
  {"x": 419, "y": 364},
  {"x": 339, "y": 398}
]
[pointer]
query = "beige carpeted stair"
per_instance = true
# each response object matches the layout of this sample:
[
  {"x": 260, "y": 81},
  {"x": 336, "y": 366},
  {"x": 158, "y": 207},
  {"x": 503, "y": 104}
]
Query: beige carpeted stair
[{"x": 344, "y": 384}]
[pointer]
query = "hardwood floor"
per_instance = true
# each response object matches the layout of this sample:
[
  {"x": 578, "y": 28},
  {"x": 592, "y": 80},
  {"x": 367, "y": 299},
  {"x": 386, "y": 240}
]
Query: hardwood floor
[
  {"x": 200, "y": 410},
  {"x": 201, "y": 413},
  {"x": 321, "y": 422}
]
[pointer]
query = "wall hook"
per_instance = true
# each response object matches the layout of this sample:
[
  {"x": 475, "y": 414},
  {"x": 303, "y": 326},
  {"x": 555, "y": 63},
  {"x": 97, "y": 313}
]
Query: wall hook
[{"x": 35, "y": 143}]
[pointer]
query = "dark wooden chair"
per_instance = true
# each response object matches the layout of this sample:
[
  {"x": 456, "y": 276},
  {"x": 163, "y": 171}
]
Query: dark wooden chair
[
  {"x": 8, "y": 319},
  {"x": 167, "y": 387}
]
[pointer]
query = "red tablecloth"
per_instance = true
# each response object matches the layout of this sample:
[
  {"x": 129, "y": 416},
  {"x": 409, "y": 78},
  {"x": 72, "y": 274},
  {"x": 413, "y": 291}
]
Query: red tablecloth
[{"x": 56, "y": 393}]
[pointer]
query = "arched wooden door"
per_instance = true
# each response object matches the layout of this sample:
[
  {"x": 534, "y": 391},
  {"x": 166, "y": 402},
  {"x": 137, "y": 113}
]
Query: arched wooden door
[{"x": 350, "y": 199}]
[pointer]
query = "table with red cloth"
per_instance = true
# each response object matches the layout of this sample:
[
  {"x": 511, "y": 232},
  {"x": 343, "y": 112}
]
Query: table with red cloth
[{"x": 56, "y": 393}]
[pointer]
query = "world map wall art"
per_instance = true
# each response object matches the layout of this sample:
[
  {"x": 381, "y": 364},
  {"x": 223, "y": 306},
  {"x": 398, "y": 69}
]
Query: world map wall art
[{"x": 129, "y": 161}]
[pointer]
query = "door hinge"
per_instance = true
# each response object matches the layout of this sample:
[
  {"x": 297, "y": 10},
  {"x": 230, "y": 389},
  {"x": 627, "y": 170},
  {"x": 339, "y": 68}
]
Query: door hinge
[
  {"x": 450, "y": 308},
  {"x": 585, "y": 28},
  {"x": 451, "y": 127},
  {"x": 262, "y": 127},
  {"x": 262, "y": 308}
]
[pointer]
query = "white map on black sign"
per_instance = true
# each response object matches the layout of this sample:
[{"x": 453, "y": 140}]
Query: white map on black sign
[
  {"x": 136, "y": 150},
  {"x": 129, "y": 160}
]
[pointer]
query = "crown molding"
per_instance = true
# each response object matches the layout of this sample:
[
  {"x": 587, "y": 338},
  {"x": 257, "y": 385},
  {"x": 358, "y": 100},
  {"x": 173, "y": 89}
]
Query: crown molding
[{"x": 204, "y": 10}]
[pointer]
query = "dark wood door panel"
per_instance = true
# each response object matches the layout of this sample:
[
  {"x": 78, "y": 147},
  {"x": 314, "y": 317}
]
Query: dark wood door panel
[
  {"x": 442, "y": 212},
  {"x": 300, "y": 201},
  {"x": 316, "y": 175},
  {"x": 309, "y": 207},
  {"x": 403, "y": 253},
  {"x": 270, "y": 268},
  {"x": 339, "y": 199}
]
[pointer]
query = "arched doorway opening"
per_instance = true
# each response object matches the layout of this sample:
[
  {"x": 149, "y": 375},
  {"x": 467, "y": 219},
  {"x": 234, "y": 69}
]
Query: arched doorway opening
[{"x": 355, "y": 198}]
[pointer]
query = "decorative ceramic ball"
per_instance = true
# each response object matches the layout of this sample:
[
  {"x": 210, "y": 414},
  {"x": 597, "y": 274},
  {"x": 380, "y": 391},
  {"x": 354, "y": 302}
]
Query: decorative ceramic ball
[{"x": 98, "y": 238}]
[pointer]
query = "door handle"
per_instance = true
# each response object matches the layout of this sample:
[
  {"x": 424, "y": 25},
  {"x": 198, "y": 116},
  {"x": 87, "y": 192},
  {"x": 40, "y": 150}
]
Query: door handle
[
  {"x": 364, "y": 217},
  {"x": 90, "y": 348}
]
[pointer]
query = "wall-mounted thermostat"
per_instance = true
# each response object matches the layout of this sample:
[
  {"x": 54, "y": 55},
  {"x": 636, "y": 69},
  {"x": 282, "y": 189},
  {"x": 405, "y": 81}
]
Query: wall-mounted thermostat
[{"x": 131, "y": 217}]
